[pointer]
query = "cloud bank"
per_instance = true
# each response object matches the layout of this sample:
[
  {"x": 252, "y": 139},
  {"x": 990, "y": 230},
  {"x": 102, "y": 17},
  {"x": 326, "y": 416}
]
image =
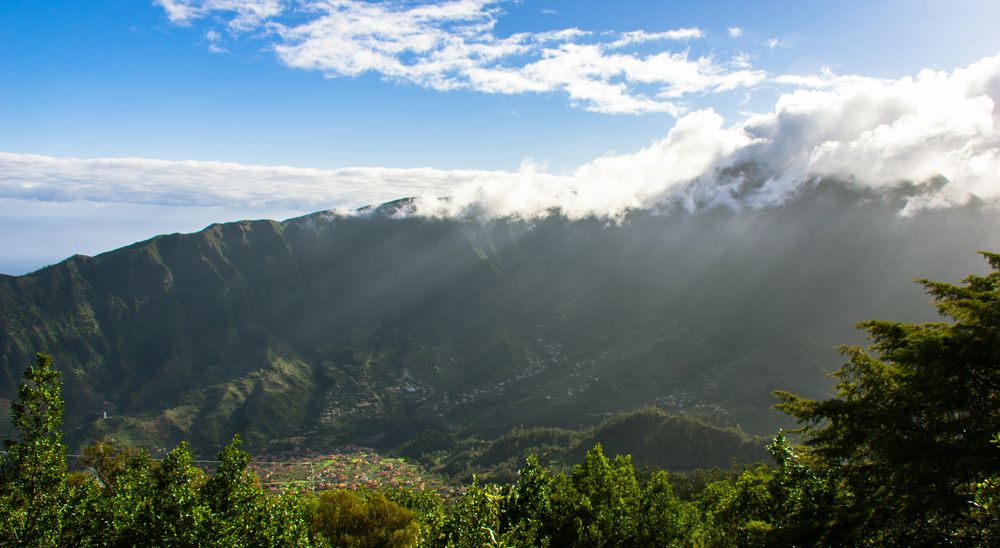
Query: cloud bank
[
  {"x": 453, "y": 45},
  {"x": 876, "y": 133},
  {"x": 214, "y": 184}
]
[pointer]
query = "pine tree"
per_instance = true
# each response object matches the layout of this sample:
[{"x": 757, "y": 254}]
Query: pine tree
[{"x": 912, "y": 425}]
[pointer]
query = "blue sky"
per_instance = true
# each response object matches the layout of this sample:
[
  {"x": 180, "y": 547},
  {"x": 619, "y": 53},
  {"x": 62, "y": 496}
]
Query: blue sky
[{"x": 123, "y": 119}]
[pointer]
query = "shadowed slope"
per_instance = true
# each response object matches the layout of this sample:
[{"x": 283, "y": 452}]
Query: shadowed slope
[{"x": 324, "y": 330}]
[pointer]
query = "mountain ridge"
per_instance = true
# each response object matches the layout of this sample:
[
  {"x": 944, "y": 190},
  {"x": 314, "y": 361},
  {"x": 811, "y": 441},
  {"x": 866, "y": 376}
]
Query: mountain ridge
[{"x": 327, "y": 329}]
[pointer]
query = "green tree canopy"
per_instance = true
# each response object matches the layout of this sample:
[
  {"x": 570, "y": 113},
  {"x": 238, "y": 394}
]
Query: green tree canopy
[
  {"x": 342, "y": 518},
  {"x": 910, "y": 429},
  {"x": 33, "y": 469}
]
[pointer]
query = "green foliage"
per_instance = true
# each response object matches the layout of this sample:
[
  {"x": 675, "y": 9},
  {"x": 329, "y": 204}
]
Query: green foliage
[
  {"x": 235, "y": 499},
  {"x": 427, "y": 507},
  {"x": 108, "y": 458},
  {"x": 664, "y": 519},
  {"x": 141, "y": 503},
  {"x": 121, "y": 514},
  {"x": 174, "y": 515},
  {"x": 737, "y": 512},
  {"x": 342, "y": 518},
  {"x": 906, "y": 454},
  {"x": 81, "y": 524},
  {"x": 807, "y": 500},
  {"x": 986, "y": 505},
  {"x": 605, "y": 512},
  {"x": 476, "y": 519},
  {"x": 528, "y": 505},
  {"x": 790, "y": 504},
  {"x": 33, "y": 492},
  {"x": 171, "y": 503},
  {"x": 599, "y": 504},
  {"x": 241, "y": 513},
  {"x": 287, "y": 522},
  {"x": 911, "y": 427}
]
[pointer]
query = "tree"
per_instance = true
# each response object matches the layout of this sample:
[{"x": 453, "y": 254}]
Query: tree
[
  {"x": 123, "y": 514},
  {"x": 237, "y": 503},
  {"x": 142, "y": 503},
  {"x": 528, "y": 504},
  {"x": 342, "y": 518},
  {"x": 426, "y": 505},
  {"x": 242, "y": 514},
  {"x": 174, "y": 514},
  {"x": 33, "y": 492},
  {"x": 804, "y": 500},
  {"x": 598, "y": 505},
  {"x": 911, "y": 425},
  {"x": 986, "y": 510},
  {"x": 475, "y": 519},
  {"x": 665, "y": 520},
  {"x": 108, "y": 458}
]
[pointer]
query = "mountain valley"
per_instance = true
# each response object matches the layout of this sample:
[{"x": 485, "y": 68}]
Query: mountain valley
[{"x": 391, "y": 330}]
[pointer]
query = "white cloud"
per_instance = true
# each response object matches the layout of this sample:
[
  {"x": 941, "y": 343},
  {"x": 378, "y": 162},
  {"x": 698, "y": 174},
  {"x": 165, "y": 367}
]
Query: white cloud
[
  {"x": 735, "y": 32},
  {"x": 214, "y": 39},
  {"x": 245, "y": 14},
  {"x": 640, "y": 36},
  {"x": 877, "y": 133},
  {"x": 825, "y": 79},
  {"x": 881, "y": 133},
  {"x": 452, "y": 45},
  {"x": 178, "y": 11},
  {"x": 211, "y": 184}
]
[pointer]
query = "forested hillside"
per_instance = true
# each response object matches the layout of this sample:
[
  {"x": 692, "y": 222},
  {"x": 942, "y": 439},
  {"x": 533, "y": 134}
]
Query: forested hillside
[
  {"x": 905, "y": 454},
  {"x": 387, "y": 329}
]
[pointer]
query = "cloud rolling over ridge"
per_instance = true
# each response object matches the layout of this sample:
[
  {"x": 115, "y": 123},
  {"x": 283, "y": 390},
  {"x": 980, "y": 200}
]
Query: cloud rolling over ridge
[{"x": 875, "y": 133}]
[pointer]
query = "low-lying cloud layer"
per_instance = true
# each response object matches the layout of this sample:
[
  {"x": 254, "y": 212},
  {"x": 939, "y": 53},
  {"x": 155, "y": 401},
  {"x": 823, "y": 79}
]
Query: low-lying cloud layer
[
  {"x": 453, "y": 45},
  {"x": 214, "y": 184},
  {"x": 875, "y": 133}
]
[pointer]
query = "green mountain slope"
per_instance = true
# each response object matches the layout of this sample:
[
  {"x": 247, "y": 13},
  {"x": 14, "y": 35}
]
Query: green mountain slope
[
  {"x": 651, "y": 436},
  {"x": 377, "y": 328}
]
